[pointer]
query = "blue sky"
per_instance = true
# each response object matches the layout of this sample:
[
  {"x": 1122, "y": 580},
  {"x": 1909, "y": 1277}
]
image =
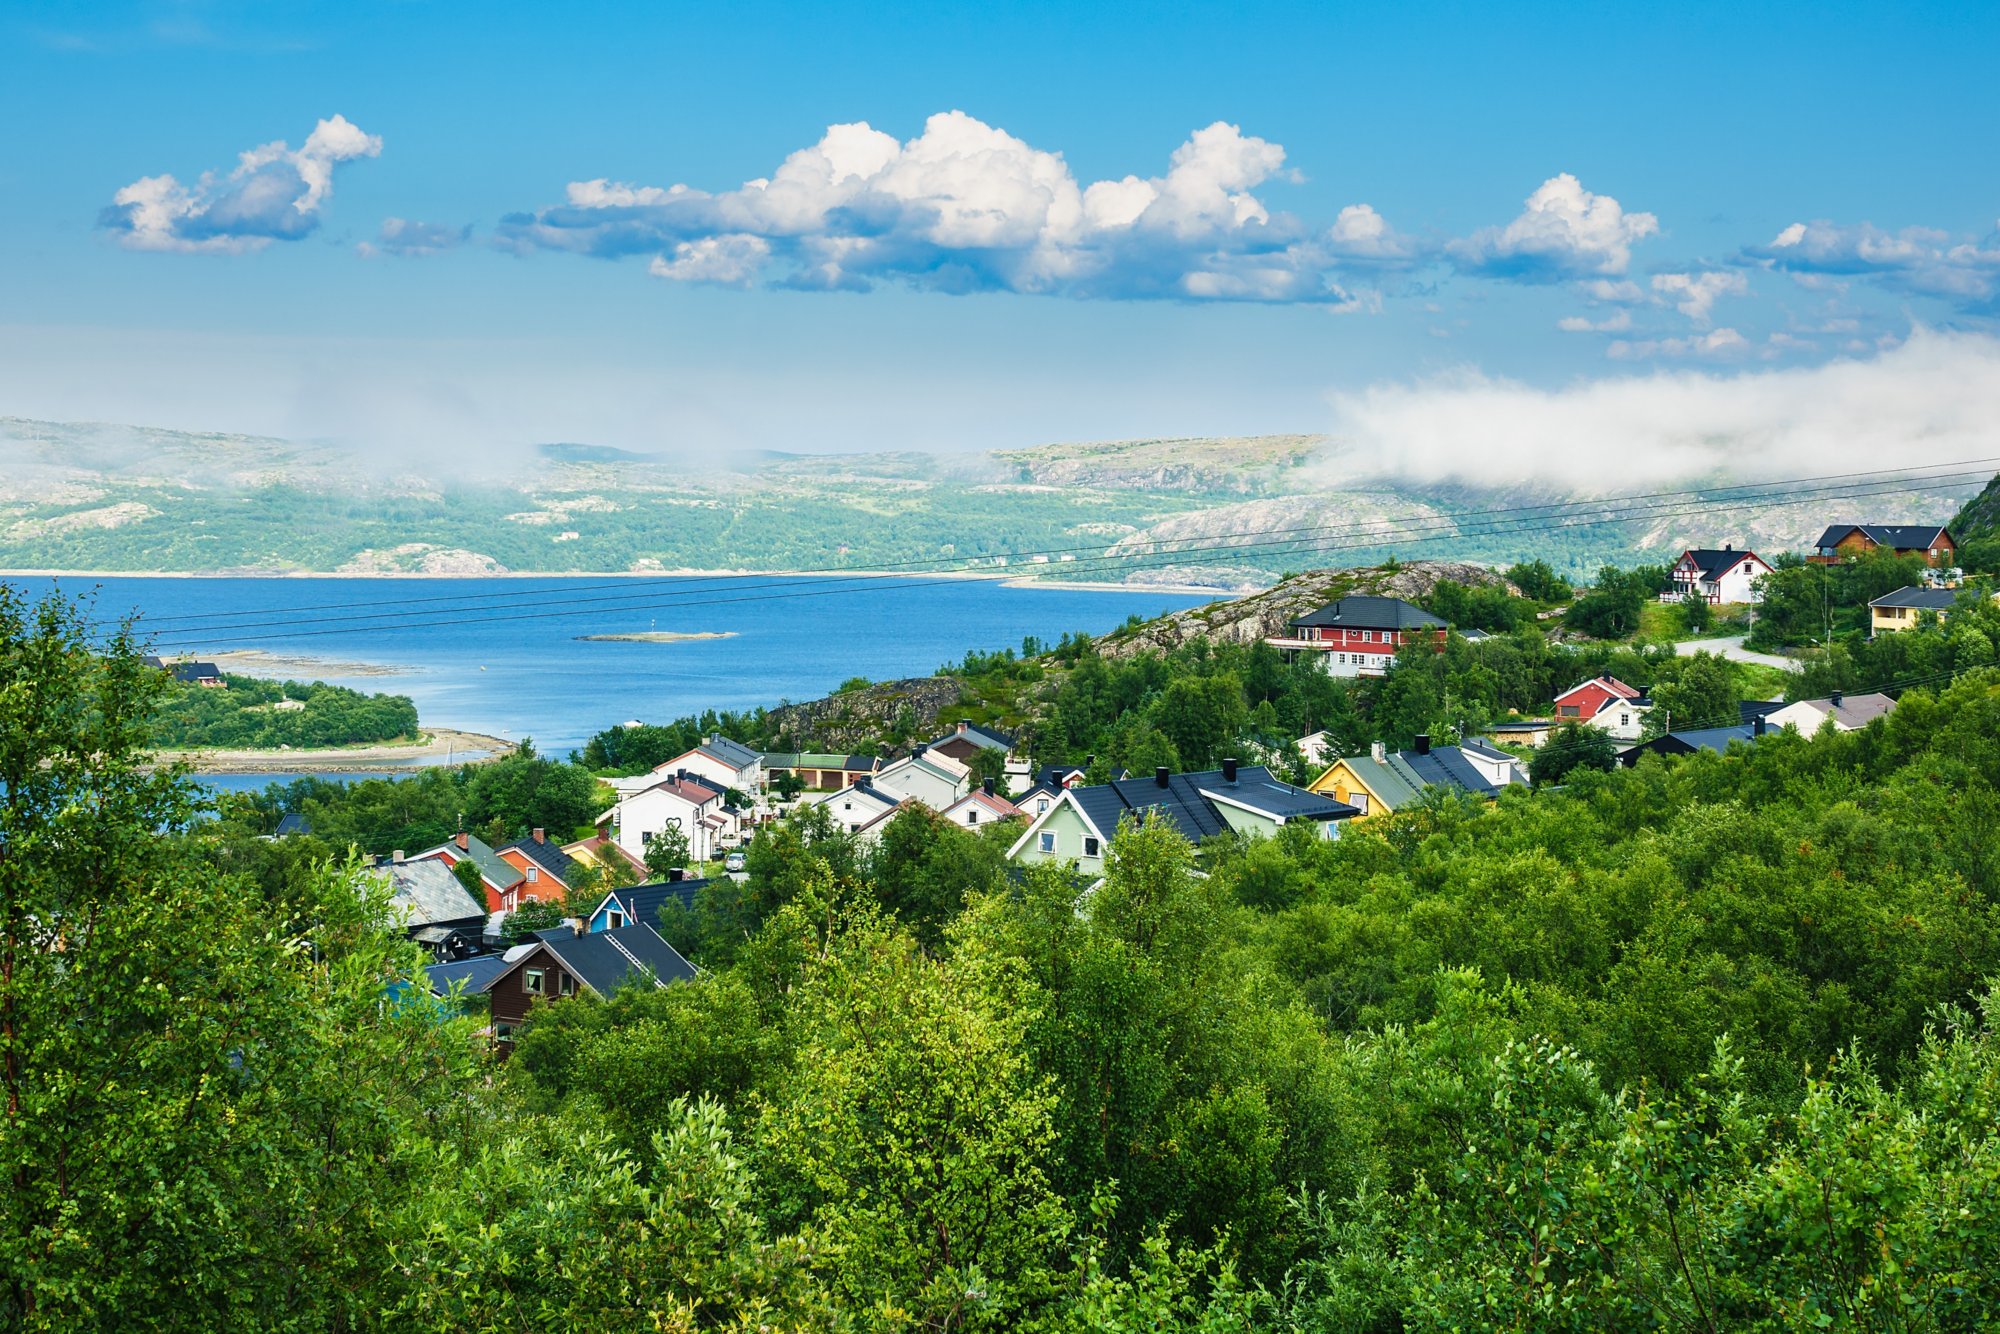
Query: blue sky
[{"x": 455, "y": 229}]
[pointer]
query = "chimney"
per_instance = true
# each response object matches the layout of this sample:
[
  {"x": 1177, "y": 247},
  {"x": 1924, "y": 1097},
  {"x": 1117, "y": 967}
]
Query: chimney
[
  {"x": 677, "y": 873},
  {"x": 920, "y": 748},
  {"x": 1162, "y": 775},
  {"x": 1757, "y": 725},
  {"x": 1729, "y": 546},
  {"x": 1834, "y": 699},
  {"x": 1423, "y": 743},
  {"x": 963, "y": 723},
  {"x": 1229, "y": 771},
  {"x": 541, "y": 835},
  {"x": 396, "y": 857},
  {"x": 1378, "y": 752},
  {"x": 986, "y": 786},
  {"x": 464, "y": 841}
]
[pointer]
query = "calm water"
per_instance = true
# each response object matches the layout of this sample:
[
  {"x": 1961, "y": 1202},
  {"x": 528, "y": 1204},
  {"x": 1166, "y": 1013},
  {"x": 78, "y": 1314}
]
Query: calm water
[{"x": 504, "y": 657}]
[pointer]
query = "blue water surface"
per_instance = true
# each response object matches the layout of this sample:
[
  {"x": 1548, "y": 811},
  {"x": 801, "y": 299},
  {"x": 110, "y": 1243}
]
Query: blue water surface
[{"x": 504, "y": 657}]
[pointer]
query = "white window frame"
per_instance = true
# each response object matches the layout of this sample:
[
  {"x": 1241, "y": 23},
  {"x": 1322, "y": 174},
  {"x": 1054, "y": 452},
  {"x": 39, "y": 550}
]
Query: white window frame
[
  {"x": 1047, "y": 842},
  {"x": 615, "y": 918},
  {"x": 533, "y": 981},
  {"x": 1091, "y": 847},
  {"x": 534, "y": 874}
]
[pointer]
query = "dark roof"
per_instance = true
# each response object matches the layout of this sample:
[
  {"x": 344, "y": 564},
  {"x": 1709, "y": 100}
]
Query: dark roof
[
  {"x": 986, "y": 738},
  {"x": 547, "y": 855},
  {"x": 477, "y": 973},
  {"x": 605, "y": 960},
  {"x": 1713, "y": 564},
  {"x": 291, "y": 822},
  {"x": 642, "y": 903},
  {"x": 1898, "y": 536},
  {"x": 1716, "y": 739},
  {"x": 1183, "y": 804},
  {"x": 1749, "y": 711},
  {"x": 1361, "y": 611},
  {"x": 1921, "y": 599},
  {"x": 810, "y": 759},
  {"x": 730, "y": 752},
  {"x": 196, "y": 671}
]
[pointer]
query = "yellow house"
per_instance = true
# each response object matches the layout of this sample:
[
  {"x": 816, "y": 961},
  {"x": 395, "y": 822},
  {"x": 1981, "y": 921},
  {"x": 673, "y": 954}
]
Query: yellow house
[
  {"x": 1905, "y": 608},
  {"x": 1381, "y": 781}
]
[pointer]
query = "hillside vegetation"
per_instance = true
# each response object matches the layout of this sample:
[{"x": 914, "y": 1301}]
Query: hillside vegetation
[{"x": 109, "y": 498}]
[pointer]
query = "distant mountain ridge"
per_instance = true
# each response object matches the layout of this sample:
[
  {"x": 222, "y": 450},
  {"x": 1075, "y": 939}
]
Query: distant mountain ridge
[{"x": 1230, "y": 513}]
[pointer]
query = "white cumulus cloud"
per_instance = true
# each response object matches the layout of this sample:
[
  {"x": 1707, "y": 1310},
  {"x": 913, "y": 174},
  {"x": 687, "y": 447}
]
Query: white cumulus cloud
[
  {"x": 1564, "y": 232},
  {"x": 1923, "y": 260},
  {"x": 274, "y": 193},
  {"x": 414, "y": 240},
  {"x": 966, "y": 206},
  {"x": 1694, "y": 294}
]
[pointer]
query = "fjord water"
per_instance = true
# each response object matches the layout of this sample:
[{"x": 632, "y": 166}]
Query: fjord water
[{"x": 505, "y": 657}]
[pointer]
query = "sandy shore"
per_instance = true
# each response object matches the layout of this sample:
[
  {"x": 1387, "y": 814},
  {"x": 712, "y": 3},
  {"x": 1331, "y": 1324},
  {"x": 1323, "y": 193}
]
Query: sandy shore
[
  {"x": 295, "y": 666},
  {"x": 657, "y": 637},
  {"x": 440, "y": 744}
]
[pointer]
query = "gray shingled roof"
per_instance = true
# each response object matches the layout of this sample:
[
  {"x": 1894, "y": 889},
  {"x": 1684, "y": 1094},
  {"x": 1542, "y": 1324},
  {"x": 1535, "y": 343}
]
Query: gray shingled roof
[
  {"x": 1919, "y": 599},
  {"x": 431, "y": 893},
  {"x": 1361, "y": 611},
  {"x": 729, "y": 752}
]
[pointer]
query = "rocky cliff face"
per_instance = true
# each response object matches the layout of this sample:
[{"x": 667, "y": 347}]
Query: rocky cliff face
[
  {"x": 1981, "y": 515},
  {"x": 859, "y": 720},
  {"x": 1246, "y": 619}
]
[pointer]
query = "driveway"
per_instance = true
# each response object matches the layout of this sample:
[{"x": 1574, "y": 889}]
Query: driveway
[{"x": 1733, "y": 649}]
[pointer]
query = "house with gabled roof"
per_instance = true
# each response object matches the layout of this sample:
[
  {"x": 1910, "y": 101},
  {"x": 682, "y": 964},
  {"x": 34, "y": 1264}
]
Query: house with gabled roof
[
  {"x": 599, "y": 855},
  {"x": 561, "y": 963},
  {"x": 1079, "y": 826},
  {"x": 1851, "y": 541},
  {"x": 1384, "y": 781},
  {"x": 501, "y": 880},
  {"x": 981, "y": 808},
  {"x": 640, "y": 903},
  {"x": 969, "y": 738},
  {"x": 1848, "y": 713},
  {"x": 546, "y": 870},
  {"x": 1606, "y": 703},
  {"x": 1360, "y": 634},
  {"x": 924, "y": 775},
  {"x": 680, "y": 800},
  {"x": 857, "y": 806},
  {"x": 1716, "y": 576},
  {"x": 437, "y": 911},
  {"x": 820, "y": 770},
  {"x": 1715, "y": 739}
]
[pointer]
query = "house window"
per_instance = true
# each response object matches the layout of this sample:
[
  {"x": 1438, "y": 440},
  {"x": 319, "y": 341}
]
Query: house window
[
  {"x": 534, "y": 874},
  {"x": 972, "y": 817},
  {"x": 1048, "y": 843},
  {"x": 568, "y": 985},
  {"x": 1624, "y": 720},
  {"x": 1042, "y": 806},
  {"x": 615, "y": 920},
  {"x": 532, "y": 899},
  {"x": 531, "y": 981},
  {"x": 1089, "y": 846},
  {"x": 1567, "y": 711}
]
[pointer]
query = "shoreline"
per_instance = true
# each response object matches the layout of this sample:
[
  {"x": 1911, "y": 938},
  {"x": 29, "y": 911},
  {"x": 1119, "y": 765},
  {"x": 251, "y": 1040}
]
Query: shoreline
[
  {"x": 440, "y": 744},
  {"x": 1012, "y": 578}
]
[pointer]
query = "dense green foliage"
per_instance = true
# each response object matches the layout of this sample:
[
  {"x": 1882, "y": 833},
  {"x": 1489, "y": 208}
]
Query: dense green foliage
[
  {"x": 247, "y": 715},
  {"x": 1703, "y": 1044}
]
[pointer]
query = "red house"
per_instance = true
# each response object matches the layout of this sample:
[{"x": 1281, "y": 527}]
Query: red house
[
  {"x": 1606, "y": 703},
  {"x": 1359, "y": 635}
]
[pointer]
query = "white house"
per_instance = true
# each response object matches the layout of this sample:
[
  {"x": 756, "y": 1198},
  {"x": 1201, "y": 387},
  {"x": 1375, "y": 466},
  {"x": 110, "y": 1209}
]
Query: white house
[
  {"x": 678, "y": 800},
  {"x": 1716, "y": 577},
  {"x": 717, "y": 762},
  {"x": 1496, "y": 766},
  {"x": 856, "y": 806},
  {"x": 979, "y": 808},
  {"x": 924, "y": 775},
  {"x": 1848, "y": 712},
  {"x": 1317, "y": 749},
  {"x": 1606, "y": 703}
]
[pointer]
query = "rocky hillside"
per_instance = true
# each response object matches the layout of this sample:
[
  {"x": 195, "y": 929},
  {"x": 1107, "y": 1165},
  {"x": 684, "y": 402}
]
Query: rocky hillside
[
  {"x": 1981, "y": 515},
  {"x": 1243, "y": 619},
  {"x": 860, "y": 721}
]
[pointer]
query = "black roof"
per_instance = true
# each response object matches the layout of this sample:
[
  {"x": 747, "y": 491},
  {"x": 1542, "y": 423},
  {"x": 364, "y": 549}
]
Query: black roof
[
  {"x": 1716, "y": 739},
  {"x": 546, "y": 854},
  {"x": 642, "y": 903},
  {"x": 1182, "y": 803},
  {"x": 1361, "y": 611},
  {"x": 1919, "y": 599},
  {"x": 606, "y": 960},
  {"x": 1715, "y": 563},
  {"x": 195, "y": 671},
  {"x": 291, "y": 822},
  {"x": 477, "y": 973},
  {"x": 1749, "y": 711},
  {"x": 1900, "y": 536}
]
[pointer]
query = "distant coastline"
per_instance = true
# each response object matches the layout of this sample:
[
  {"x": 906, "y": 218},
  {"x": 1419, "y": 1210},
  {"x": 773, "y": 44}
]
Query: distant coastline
[
  {"x": 1012, "y": 578},
  {"x": 439, "y": 745},
  {"x": 657, "y": 636}
]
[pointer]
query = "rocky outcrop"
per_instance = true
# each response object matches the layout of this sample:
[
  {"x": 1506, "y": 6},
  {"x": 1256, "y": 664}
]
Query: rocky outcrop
[
  {"x": 1981, "y": 515},
  {"x": 860, "y": 720},
  {"x": 1245, "y": 620}
]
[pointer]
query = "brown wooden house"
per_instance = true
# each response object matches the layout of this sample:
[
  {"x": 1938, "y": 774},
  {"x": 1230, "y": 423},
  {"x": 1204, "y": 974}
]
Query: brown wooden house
[
  {"x": 1851, "y": 541},
  {"x": 560, "y": 963}
]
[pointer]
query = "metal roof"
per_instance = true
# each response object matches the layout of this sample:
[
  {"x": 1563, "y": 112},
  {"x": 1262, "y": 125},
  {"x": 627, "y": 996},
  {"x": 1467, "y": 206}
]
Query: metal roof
[
  {"x": 431, "y": 893},
  {"x": 1919, "y": 599},
  {"x": 1897, "y": 536},
  {"x": 1361, "y": 611}
]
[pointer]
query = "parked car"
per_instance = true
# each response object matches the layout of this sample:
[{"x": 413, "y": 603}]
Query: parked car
[{"x": 733, "y": 862}]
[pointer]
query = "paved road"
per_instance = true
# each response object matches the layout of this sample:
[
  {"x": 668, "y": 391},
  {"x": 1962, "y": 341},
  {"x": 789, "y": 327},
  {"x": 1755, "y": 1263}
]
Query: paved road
[{"x": 1734, "y": 650}]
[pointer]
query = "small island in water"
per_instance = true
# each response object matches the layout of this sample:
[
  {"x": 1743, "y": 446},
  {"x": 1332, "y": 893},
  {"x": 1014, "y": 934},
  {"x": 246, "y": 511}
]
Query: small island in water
[{"x": 657, "y": 636}]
